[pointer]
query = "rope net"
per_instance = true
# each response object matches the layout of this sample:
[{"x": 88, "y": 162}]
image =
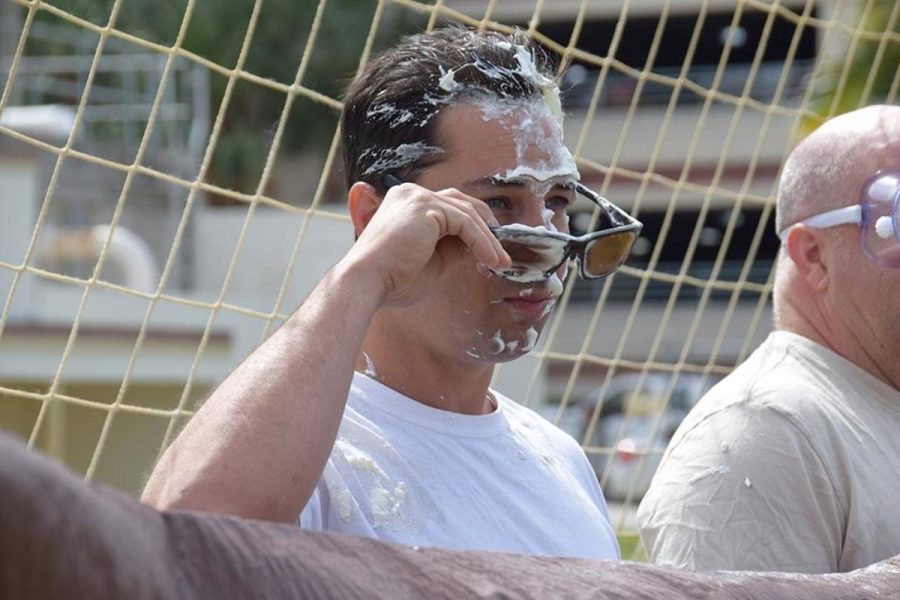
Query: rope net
[{"x": 681, "y": 112}]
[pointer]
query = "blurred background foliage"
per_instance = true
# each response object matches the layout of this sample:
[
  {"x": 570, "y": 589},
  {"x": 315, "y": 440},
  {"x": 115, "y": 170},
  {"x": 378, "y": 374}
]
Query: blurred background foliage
[
  {"x": 863, "y": 83},
  {"x": 217, "y": 30}
]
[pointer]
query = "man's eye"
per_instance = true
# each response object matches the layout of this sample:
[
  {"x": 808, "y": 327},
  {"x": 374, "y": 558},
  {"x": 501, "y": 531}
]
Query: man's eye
[
  {"x": 558, "y": 202},
  {"x": 497, "y": 203}
]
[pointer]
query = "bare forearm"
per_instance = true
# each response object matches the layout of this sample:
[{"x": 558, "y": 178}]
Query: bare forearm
[{"x": 259, "y": 444}]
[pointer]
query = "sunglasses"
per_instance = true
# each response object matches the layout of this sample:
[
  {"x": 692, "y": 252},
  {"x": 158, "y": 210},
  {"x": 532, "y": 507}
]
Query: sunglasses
[
  {"x": 537, "y": 253},
  {"x": 877, "y": 214}
]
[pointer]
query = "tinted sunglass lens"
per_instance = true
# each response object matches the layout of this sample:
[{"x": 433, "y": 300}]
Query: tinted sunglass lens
[
  {"x": 522, "y": 252},
  {"x": 606, "y": 254},
  {"x": 532, "y": 257}
]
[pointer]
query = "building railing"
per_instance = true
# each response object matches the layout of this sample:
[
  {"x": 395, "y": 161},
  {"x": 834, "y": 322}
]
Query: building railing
[
  {"x": 619, "y": 89},
  {"x": 114, "y": 121}
]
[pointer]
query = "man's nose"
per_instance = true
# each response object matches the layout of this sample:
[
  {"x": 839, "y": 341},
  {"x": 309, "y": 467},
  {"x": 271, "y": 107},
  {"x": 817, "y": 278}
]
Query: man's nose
[{"x": 535, "y": 214}]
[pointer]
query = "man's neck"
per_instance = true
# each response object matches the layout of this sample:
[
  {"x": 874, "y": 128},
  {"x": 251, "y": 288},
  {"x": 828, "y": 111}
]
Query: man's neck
[
  {"x": 833, "y": 334},
  {"x": 445, "y": 382}
]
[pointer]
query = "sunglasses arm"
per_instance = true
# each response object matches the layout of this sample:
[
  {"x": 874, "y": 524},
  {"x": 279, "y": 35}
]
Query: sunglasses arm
[{"x": 607, "y": 206}]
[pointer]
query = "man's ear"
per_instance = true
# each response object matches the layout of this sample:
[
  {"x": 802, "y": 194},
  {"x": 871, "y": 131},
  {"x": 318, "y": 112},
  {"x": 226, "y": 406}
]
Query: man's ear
[
  {"x": 805, "y": 247},
  {"x": 362, "y": 200}
]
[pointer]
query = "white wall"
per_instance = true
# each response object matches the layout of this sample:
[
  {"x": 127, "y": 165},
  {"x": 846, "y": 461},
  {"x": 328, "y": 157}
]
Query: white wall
[
  {"x": 262, "y": 262},
  {"x": 18, "y": 197}
]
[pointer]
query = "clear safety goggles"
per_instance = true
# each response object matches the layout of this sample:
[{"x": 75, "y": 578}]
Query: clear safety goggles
[
  {"x": 877, "y": 215},
  {"x": 537, "y": 253}
]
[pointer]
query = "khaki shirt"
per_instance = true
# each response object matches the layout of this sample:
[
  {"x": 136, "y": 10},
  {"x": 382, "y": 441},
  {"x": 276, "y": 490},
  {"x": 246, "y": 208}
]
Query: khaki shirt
[{"x": 791, "y": 463}]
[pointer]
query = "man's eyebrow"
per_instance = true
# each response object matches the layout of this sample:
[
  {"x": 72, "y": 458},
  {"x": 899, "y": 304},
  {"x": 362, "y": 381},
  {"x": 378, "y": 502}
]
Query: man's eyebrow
[{"x": 494, "y": 181}]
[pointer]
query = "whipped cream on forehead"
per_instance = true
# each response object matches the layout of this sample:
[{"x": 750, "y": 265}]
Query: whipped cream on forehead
[
  {"x": 531, "y": 125},
  {"x": 526, "y": 68},
  {"x": 548, "y": 87},
  {"x": 536, "y": 121}
]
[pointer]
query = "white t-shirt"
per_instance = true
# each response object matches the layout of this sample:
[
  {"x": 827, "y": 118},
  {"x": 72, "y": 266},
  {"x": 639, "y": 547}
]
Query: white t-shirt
[
  {"x": 506, "y": 481},
  {"x": 791, "y": 463}
]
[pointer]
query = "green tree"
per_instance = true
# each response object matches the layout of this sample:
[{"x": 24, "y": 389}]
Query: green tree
[
  {"x": 832, "y": 99},
  {"x": 216, "y": 32}
]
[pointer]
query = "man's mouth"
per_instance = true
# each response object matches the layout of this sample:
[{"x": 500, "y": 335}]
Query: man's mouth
[{"x": 532, "y": 306}]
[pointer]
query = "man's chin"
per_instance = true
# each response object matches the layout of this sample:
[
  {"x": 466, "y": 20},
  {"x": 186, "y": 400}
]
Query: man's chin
[
  {"x": 497, "y": 359},
  {"x": 508, "y": 343}
]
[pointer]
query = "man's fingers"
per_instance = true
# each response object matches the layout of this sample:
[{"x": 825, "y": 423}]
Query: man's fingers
[
  {"x": 480, "y": 207},
  {"x": 465, "y": 222},
  {"x": 462, "y": 216},
  {"x": 484, "y": 216}
]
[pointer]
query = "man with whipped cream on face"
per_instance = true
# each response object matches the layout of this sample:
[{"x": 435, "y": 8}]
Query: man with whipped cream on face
[{"x": 369, "y": 411}]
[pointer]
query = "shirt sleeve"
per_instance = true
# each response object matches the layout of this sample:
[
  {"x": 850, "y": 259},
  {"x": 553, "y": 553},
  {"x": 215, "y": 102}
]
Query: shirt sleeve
[{"x": 743, "y": 489}]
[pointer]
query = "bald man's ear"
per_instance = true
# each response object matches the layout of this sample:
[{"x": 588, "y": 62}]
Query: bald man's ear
[
  {"x": 804, "y": 245},
  {"x": 363, "y": 200}
]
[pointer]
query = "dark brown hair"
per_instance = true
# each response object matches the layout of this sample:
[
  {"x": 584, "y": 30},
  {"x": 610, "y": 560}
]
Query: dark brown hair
[{"x": 390, "y": 109}]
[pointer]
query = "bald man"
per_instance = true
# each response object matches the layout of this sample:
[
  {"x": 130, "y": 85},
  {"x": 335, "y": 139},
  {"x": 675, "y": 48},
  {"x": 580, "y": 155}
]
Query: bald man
[{"x": 792, "y": 463}]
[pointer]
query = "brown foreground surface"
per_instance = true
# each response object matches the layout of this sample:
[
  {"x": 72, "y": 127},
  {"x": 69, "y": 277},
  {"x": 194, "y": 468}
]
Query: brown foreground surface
[{"x": 63, "y": 538}]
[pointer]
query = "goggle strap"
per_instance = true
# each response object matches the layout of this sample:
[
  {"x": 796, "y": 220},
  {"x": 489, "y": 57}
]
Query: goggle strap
[
  {"x": 831, "y": 218},
  {"x": 839, "y": 216}
]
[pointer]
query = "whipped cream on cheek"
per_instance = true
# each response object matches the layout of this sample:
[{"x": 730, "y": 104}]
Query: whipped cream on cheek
[
  {"x": 498, "y": 343},
  {"x": 555, "y": 283}
]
